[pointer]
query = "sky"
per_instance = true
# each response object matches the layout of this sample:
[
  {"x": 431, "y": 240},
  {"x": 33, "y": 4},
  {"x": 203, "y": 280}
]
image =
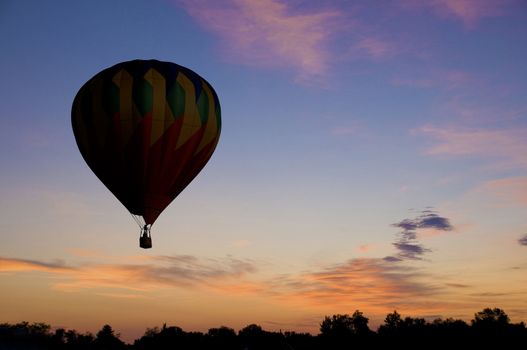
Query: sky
[{"x": 373, "y": 156}]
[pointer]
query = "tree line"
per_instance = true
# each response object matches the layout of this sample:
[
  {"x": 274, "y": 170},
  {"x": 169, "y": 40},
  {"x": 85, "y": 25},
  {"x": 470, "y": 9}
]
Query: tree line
[{"x": 490, "y": 328}]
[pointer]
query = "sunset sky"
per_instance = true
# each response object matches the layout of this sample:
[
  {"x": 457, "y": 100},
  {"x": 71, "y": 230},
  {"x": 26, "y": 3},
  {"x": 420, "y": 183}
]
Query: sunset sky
[{"x": 373, "y": 156}]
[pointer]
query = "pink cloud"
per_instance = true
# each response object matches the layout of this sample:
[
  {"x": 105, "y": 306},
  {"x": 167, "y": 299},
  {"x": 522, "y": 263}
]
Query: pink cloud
[
  {"x": 365, "y": 248},
  {"x": 509, "y": 146},
  {"x": 267, "y": 33},
  {"x": 373, "y": 47},
  {"x": 470, "y": 12},
  {"x": 510, "y": 191}
]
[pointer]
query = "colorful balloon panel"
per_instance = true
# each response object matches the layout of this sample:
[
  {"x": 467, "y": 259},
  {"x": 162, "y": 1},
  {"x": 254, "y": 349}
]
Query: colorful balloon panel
[{"x": 146, "y": 129}]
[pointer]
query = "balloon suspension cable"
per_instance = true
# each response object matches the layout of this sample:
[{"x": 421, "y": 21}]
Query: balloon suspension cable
[{"x": 138, "y": 220}]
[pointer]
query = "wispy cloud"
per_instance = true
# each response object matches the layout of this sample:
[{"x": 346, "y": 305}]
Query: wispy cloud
[
  {"x": 269, "y": 33},
  {"x": 507, "y": 145},
  {"x": 123, "y": 295},
  {"x": 16, "y": 265},
  {"x": 523, "y": 240},
  {"x": 470, "y": 12},
  {"x": 155, "y": 273},
  {"x": 373, "y": 283},
  {"x": 457, "y": 285},
  {"x": 511, "y": 191},
  {"x": 354, "y": 281},
  {"x": 373, "y": 46}
]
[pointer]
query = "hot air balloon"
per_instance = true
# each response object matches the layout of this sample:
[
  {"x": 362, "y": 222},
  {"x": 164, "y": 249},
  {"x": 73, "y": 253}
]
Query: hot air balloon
[{"x": 146, "y": 128}]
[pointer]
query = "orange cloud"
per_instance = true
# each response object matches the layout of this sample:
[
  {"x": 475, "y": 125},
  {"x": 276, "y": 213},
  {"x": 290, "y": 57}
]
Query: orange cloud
[
  {"x": 360, "y": 283},
  {"x": 157, "y": 273},
  {"x": 371, "y": 284},
  {"x": 268, "y": 33},
  {"x": 24, "y": 265},
  {"x": 365, "y": 248}
]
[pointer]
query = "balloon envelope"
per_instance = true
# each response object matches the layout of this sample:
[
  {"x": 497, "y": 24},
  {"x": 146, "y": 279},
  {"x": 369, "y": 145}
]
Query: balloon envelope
[{"x": 146, "y": 128}]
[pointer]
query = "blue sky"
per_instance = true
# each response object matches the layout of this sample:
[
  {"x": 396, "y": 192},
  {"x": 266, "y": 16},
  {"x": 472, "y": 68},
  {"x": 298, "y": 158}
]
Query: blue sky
[{"x": 340, "y": 119}]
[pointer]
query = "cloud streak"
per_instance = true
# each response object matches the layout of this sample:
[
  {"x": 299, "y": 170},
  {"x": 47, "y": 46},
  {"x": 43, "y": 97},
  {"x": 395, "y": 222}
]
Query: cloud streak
[
  {"x": 356, "y": 280},
  {"x": 511, "y": 191},
  {"x": 523, "y": 240},
  {"x": 375, "y": 284},
  {"x": 268, "y": 33},
  {"x": 507, "y": 145},
  {"x": 156, "y": 273},
  {"x": 371, "y": 283},
  {"x": 372, "y": 46},
  {"x": 22, "y": 265},
  {"x": 470, "y": 12}
]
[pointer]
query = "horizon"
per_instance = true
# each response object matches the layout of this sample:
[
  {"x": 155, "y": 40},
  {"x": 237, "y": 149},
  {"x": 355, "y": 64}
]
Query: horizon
[
  {"x": 481, "y": 317},
  {"x": 372, "y": 157}
]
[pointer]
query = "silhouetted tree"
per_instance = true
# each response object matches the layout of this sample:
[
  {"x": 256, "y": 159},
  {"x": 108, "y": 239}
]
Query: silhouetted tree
[
  {"x": 152, "y": 332},
  {"x": 300, "y": 341},
  {"x": 393, "y": 320},
  {"x": 392, "y": 323},
  {"x": 360, "y": 323},
  {"x": 221, "y": 332},
  {"x": 222, "y": 338},
  {"x": 345, "y": 326},
  {"x": 107, "y": 339},
  {"x": 493, "y": 327},
  {"x": 410, "y": 322},
  {"x": 253, "y": 337},
  {"x": 338, "y": 330},
  {"x": 337, "y": 326},
  {"x": 490, "y": 318},
  {"x": 24, "y": 335},
  {"x": 252, "y": 330},
  {"x": 75, "y": 340},
  {"x": 58, "y": 340},
  {"x": 165, "y": 338},
  {"x": 490, "y": 329},
  {"x": 450, "y": 327}
]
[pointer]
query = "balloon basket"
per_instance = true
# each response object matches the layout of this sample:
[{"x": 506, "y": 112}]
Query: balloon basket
[
  {"x": 145, "y": 242},
  {"x": 145, "y": 239}
]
